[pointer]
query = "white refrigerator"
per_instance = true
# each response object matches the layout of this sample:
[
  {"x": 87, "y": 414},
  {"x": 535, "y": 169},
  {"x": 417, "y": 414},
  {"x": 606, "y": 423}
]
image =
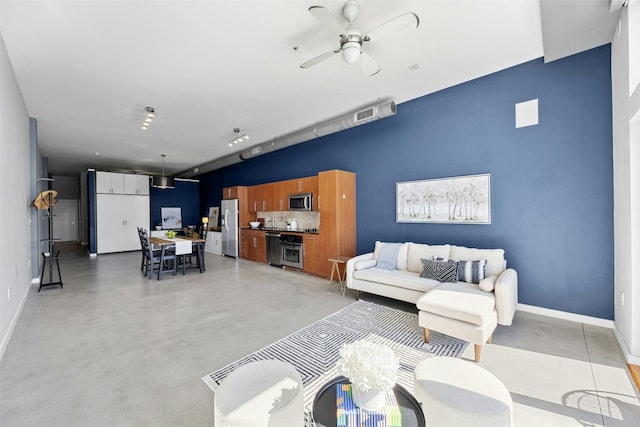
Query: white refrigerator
[{"x": 229, "y": 227}]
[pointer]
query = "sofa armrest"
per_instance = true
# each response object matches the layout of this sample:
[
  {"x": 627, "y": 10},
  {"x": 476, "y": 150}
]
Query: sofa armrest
[
  {"x": 506, "y": 292},
  {"x": 350, "y": 268}
]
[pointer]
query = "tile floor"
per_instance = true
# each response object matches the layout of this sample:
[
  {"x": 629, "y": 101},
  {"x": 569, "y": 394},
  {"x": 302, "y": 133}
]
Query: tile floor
[{"x": 115, "y": 349}]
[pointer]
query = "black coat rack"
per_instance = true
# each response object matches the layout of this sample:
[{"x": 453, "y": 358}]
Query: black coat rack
[{"x": 46, "y": 200}]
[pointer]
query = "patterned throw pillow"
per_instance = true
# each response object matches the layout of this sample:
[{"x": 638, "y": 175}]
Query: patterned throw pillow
[
  {"x": 471, "y": 271},
  {"x": 442, "y": 271}
]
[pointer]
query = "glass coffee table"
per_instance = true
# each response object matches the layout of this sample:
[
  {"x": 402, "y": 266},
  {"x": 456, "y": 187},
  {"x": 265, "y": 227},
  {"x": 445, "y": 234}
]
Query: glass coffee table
[{"x": 324, "y": 405}]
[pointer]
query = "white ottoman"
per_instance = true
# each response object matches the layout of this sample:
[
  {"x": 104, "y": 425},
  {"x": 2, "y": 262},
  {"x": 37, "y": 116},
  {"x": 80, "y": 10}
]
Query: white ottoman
[
  {"x": 265, "y": 393},
  {"x": 454, "y": 392}
]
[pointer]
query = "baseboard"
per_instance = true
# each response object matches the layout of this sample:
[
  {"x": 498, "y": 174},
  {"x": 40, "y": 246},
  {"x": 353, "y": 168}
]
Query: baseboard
[
  {"x": 14, "y": 321},
  {"x": 580, "y": 318},
  {"x": 634, "y": 360},
  {"x": 595, "y": 321}
]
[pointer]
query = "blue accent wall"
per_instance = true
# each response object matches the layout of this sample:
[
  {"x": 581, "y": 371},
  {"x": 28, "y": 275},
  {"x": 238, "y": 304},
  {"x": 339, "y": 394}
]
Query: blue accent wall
[
  {"x": 186, "y": 196},
  {"x": 551, "y": 184}
]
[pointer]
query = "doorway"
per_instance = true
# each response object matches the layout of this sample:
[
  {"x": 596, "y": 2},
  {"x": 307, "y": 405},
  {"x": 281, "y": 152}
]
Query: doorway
[{"x": 65, "y": 220}]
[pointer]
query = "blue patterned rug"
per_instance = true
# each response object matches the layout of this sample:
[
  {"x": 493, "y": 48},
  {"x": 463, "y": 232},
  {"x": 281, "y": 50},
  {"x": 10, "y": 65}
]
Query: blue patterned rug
[{"x": 314, "y": 350}]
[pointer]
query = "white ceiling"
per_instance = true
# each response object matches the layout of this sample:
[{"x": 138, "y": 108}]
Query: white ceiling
[{"x": 87, "y": 68}]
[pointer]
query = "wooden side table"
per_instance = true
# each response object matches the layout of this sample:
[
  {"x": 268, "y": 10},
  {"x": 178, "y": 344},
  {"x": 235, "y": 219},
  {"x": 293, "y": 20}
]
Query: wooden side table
[{"x": 338, "y": 265}]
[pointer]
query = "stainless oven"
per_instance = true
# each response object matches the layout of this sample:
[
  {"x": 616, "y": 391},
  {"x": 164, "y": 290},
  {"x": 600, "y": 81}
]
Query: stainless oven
[{"x": 292, "y": 250}]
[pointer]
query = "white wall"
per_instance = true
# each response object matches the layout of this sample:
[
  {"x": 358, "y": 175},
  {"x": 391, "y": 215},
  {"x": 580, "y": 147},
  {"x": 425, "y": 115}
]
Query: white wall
[
  {"x": 626, "y": 153},
  {"x": 15, "y": 193}
]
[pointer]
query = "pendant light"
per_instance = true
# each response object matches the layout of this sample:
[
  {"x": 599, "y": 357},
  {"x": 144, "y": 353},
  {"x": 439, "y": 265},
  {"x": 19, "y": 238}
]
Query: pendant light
[{"x": 163, "y": 182}]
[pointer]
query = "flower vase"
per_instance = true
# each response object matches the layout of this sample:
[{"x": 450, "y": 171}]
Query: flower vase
[{"x": 369, "y": 400}]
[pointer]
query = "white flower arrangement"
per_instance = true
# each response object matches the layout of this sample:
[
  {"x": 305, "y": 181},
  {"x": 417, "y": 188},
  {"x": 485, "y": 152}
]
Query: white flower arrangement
[{"x": 368, "y": 366}]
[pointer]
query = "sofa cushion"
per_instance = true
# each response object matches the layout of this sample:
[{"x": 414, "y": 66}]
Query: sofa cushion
[
  {"x": 388, "y": 256},
  {"x": 398, "y": 278},
  {"x": 461, "y": 301},
  {"x": 495, "y": 258},
  {"x": 417, "y": 252},
  {"x": 367, "y": 263},
  {"x": 488, "y": 284},
  {"x": 471, "y": 271},
  {"x": 442, "y": 271},
  {"x": 401, "y": 263}
]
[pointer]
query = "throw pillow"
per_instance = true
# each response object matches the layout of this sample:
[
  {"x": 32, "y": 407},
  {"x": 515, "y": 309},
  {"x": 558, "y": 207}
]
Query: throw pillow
[
  {"x": 442, "y": 271},
  {"x": 388, "y": 257},
  {"x": 471, "y": 271},
  {"x": 488, "y": 283}
]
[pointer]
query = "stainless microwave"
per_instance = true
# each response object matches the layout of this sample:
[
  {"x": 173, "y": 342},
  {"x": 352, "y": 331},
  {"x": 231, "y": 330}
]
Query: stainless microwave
[{"x": 301, "y": 202}]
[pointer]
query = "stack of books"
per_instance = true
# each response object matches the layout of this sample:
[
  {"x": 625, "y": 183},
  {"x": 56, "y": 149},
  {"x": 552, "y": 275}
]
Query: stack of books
[{"x": 349, "y": 415}]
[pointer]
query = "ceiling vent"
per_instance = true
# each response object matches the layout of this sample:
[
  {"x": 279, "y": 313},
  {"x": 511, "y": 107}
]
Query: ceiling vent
[{"x": 365, "y": 114}]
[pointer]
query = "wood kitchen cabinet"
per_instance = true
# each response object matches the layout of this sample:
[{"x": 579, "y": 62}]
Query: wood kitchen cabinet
[
  {"x": 308, "y": 184},
  {"x": 253, "y": 245},
  {"x": 261, "y": 198},
  {"x": 281, "y": 192},
  {"x": 242, "y": 194},
  {"x": 337, "y": 205},
  {"x": 230, "y": 192},
  {"x": 312, "y": 254}
]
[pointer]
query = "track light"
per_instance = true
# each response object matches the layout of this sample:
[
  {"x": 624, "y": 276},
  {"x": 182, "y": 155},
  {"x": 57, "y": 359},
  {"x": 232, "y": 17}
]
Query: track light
[
  {"x": 237, "y": 138},
  {"x": 151, "y": 114}
]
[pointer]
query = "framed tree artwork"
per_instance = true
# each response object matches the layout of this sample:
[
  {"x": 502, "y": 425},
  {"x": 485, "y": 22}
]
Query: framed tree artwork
[{"x": 455, "y": 200}]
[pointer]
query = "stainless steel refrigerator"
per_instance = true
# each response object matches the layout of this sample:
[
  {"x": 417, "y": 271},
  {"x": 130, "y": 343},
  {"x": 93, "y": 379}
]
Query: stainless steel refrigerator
[{"x": 229, "y": 226}]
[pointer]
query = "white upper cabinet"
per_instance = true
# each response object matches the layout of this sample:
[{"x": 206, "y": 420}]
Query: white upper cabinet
[
  {"x": 136, "y": 184},
  {"x": 121, "y": 183}
]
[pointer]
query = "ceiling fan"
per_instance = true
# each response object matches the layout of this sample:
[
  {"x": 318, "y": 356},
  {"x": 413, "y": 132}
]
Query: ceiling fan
[{"x": 351, "y": 39}]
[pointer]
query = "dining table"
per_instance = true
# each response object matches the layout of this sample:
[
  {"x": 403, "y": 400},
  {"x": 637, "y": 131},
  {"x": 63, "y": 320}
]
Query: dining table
[{"x": 184, "y": 245}]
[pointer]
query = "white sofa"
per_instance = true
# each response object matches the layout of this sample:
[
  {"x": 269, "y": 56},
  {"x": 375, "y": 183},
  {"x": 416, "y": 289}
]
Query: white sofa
[{"x": 468, "y": 311}]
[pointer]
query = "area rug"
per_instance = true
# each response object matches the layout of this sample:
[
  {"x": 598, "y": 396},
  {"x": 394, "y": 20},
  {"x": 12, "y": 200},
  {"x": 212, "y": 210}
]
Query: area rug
[{"x": 314, "y": 350}]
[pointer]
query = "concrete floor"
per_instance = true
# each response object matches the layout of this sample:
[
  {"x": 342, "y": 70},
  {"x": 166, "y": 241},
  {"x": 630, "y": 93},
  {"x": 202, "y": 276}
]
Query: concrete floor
[{"x": 115, "y": 349}]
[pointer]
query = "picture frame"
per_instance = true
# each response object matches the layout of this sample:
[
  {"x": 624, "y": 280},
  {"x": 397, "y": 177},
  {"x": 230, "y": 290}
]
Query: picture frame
[
  {"x": 214, "y": 211},
  {"x": 171, "y": 218},
  {"x": 453, "y": 200}
]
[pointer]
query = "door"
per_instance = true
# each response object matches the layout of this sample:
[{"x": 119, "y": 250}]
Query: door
[{"x": 65, "y": 220}]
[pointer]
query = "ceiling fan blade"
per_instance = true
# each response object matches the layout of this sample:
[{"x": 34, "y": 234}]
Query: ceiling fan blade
[
  {"x": 398, "y": 25},
  {"x": 328, "y": 19},
  {"x": 368, "y": 65},
  {"x": 318, "y": 59}
]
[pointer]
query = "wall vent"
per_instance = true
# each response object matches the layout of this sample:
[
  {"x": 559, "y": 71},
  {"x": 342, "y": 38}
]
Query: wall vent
[{"x": 365, "y": 114}]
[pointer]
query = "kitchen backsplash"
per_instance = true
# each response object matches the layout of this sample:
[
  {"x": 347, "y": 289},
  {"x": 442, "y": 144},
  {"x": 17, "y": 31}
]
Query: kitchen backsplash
[{"x": 305, "y": 219}]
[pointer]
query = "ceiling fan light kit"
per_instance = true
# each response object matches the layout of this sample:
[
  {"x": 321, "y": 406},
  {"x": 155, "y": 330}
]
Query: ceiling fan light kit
[{"x": 351, "y": 39}]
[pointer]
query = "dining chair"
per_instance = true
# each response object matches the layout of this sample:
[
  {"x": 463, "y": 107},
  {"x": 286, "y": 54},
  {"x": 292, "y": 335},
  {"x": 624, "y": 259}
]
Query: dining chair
[
  {"x": 142, "y": 234},
  {"x": 199, "y": 252},
  {"x": 168, "y": 261},
  {"x": 152, "y": 258}
]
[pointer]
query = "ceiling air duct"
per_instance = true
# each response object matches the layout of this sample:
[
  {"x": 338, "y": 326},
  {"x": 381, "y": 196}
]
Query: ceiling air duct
[{"x": 346, "y": 121}]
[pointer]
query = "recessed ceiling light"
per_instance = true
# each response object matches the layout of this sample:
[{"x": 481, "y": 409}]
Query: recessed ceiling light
[{"x": 97, "y": 154}]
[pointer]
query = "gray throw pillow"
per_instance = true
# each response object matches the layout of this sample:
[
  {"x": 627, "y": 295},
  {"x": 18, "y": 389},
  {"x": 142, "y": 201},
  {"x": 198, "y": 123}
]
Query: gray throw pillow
[
  {"x": 442, "y": 271},
  {"x": 388, "y": 257},
  {"x": 472, "y": 271}
]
